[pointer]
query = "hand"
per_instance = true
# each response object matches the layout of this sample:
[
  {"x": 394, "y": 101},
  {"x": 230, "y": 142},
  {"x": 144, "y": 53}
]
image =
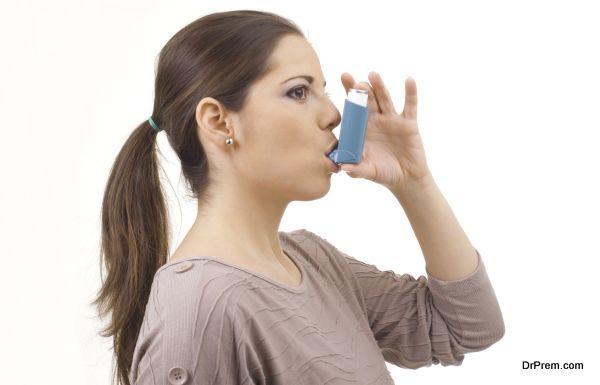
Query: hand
[{"x": 393, "y": 153}]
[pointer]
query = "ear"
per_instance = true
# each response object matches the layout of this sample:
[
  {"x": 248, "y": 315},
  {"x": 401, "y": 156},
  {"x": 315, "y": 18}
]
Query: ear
[{"x": 213, "y": 122}]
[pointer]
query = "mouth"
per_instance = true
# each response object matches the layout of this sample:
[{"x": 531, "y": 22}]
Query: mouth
[
  {"x": 331, "y": 147},
  {"x": 333, "y": 166}
]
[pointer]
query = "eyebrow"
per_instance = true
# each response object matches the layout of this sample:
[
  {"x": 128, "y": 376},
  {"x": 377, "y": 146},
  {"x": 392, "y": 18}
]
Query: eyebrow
[{"x": 309, "y": 78}]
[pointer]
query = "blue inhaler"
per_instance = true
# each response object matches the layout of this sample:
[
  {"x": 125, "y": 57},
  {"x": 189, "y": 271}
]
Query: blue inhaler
[{"x": 353, "y": 130}]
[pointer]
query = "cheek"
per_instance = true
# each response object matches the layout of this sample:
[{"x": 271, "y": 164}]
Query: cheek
[
  {"x": 281, "y": 145},
  {"x": 286, "y": 161},
  {"x": 281, "y": 165},
  {"x": 287, "y": 143}
]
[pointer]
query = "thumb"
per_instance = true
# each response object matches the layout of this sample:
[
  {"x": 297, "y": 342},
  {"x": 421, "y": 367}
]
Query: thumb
[{"x": 350, "y": 169}]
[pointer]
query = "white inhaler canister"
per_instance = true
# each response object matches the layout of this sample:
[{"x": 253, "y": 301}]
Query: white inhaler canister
[{"x": 353, "y": 129}]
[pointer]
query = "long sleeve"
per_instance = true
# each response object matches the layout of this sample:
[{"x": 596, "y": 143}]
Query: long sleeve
[{"x": 424, "y": 321}]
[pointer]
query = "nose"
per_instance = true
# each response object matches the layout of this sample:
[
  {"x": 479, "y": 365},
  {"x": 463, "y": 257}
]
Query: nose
[{"x": 333, "y": 116}]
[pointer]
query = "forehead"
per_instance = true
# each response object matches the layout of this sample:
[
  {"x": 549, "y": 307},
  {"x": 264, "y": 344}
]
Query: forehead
[{"x": 294, "y": 56}]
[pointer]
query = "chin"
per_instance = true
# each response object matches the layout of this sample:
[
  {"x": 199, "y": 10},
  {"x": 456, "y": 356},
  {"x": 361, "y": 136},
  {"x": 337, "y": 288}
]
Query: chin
[{"x": 319, "y": 189}]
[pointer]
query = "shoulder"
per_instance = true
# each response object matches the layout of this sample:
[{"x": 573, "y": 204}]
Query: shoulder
[
  {"x": 190, "y": 324},
  {"x": 197, "y": 289},
  {"x": 307, "y": 243},
  {"x": 305, "y": 240},
  {"x": 197, "y": 301},
  {"x": 311, "y": 242},
  {"x": 319, "y": 252}
]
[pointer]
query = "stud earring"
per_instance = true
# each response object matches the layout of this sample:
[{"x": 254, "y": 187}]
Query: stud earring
[{"x": 229, "y": 141}]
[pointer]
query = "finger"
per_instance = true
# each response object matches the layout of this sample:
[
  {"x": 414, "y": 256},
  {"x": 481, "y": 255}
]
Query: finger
[
  {"x": 352, "y": 170},
  {"x": 383, "y": 96},
  {"x": 347, "y": 81},
  {"x": 372, "y": 103},
  {"x": 410, "y": 100}
]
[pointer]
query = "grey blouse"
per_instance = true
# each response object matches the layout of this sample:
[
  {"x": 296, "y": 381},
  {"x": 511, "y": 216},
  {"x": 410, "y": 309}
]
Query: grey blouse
[{"x": 209, "y": 322}]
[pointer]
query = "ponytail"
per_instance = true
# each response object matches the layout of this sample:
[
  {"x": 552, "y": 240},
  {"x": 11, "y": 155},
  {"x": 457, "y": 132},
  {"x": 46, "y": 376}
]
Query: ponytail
[{"x": 134, "y": 242}]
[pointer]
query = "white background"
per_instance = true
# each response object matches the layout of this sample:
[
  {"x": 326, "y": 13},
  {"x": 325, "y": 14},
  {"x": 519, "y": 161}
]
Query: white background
[{"x": 508, "y": 111}]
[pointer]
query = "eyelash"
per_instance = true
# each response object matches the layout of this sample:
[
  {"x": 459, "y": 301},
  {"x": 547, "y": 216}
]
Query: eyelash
[{"x": 305, "y": 88}]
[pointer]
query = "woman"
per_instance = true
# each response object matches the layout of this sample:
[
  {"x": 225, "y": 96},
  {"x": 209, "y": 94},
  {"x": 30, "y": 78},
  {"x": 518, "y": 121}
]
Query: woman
[{"x": 240, "y": 97}]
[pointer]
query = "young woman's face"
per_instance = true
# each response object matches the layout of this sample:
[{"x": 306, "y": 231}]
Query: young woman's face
[{"x": 285, "y": 127}]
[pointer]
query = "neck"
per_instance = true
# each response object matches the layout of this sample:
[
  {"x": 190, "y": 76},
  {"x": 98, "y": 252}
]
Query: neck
[{"x": 240, "y": 223}]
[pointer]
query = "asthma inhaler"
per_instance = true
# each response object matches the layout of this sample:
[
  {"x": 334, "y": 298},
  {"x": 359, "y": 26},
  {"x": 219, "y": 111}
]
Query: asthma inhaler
[{"x": 354, "y": 128}]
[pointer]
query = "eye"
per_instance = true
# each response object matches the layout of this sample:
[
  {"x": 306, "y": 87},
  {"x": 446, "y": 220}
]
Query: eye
[{"x": 293, "y": 90}]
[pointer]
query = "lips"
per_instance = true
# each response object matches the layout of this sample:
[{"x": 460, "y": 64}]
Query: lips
[
  {"x": 334, "y": 166},
  {"x": 330, "y": 148}
]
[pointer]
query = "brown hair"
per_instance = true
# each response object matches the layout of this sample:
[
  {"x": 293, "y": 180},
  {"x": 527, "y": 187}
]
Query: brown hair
[{"x": 218, "y": 55}]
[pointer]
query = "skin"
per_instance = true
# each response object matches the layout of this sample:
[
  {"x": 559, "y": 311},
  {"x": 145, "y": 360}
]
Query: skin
[{"x": 276, "y": 158}]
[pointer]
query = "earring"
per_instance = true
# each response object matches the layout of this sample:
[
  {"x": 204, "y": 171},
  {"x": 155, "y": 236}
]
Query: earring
[{"x": 229, "y": 141}]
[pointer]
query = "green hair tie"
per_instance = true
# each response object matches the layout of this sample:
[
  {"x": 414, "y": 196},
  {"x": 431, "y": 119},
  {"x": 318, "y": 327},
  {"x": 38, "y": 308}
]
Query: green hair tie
[{"x": 154, "y": 126}]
